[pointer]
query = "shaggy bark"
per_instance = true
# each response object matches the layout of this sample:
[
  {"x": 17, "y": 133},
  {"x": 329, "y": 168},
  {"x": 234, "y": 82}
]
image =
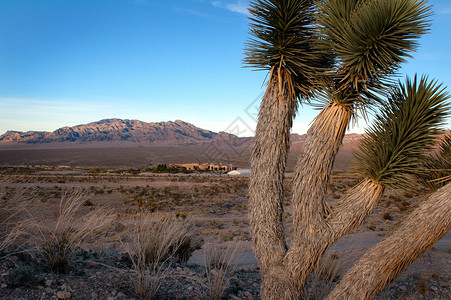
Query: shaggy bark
[
  {"x": 380, "y": 265},
  {"x": 349, "y": 214},
  {"x": 268, "y": 162},
  {"x": 310, "y": 209},
  {"x": 353, "y": 208}
]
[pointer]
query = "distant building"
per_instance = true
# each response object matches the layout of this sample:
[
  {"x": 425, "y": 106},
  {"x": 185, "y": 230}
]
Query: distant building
[
  {"x": 205, "y": 167},
  {"x": 239, "y": 172}
]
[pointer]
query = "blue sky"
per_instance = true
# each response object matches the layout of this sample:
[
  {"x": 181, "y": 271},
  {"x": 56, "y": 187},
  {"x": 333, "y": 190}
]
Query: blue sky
[{"x": 68, "y": 62}]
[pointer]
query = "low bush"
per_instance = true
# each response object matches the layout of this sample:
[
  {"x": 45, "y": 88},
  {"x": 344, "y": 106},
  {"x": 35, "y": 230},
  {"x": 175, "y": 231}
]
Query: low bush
[{"x": 157, "y": 240}]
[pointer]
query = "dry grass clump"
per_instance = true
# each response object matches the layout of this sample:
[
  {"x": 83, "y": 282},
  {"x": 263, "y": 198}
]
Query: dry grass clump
[
  {"x": 156, "y": 240},
  {"x": 12, "y": 209},
  {"x": 153, "y": 245},
  {"x": 218, "y": 261},
  {"x": 56, "y": 242},
  {"x": 147, "y": 280}
]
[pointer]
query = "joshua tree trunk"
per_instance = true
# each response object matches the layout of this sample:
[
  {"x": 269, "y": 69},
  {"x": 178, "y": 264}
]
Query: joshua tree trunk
[
  {"x": 268, "y": 162},
  {"x": 380, "y": 265},
  {"x": 351, "y": 211},
  {"x": 310, "y": 209}
]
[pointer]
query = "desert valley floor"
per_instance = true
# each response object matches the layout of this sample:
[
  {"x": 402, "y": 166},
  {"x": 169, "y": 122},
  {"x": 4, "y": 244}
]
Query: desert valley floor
[{"x": 215, "y": 207}]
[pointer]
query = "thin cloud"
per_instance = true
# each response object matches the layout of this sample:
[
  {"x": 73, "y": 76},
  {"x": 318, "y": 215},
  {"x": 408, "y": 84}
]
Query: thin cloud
[
  {"x": 190, "y": 12},
  {"x": 445, "y": 11},
  {"x": 238, "y": 7}
]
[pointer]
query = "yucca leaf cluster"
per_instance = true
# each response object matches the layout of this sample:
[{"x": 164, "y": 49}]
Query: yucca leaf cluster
[
  {"x": 371, "y": 38},
  {"x": 282, "y": 32},
  {"x": 344, "y": 51},
  {"x": 438, "y": 167},
  {"x": 368, "y": 40},
  {"x": 396, "y": 145},
  {"x": 282, "y": 38}
]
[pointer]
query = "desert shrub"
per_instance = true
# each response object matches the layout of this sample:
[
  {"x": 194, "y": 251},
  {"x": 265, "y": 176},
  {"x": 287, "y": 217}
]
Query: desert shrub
[
  {"x": 12, "y": 210},
  {"x": 180, "y": 215},
  {"x": 56, "y": 242},
  {"x": 147, "y": 280},
  {"x": 387, "y": 216},
  {"x": 422, "y": 286},
  {"x": 187, "y": 247}
]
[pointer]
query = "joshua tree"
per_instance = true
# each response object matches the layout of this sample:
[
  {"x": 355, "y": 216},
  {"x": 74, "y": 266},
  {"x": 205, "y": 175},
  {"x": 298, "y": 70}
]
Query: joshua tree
[
  {"x": 368, "y": 39},
  {"x": 282, "y": 44}
]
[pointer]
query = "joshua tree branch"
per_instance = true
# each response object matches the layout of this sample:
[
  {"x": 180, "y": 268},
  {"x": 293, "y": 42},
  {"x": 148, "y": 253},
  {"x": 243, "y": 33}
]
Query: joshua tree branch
[
  {"x": 310, "y": 210},
  {"x": 268, "y": 162},
  {"x": 423, "y": 227},
  {"x": 353, "y": 208}
]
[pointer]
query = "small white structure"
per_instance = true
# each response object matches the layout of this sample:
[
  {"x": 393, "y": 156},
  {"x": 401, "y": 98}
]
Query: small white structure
[{"x": 239, "y": 172}]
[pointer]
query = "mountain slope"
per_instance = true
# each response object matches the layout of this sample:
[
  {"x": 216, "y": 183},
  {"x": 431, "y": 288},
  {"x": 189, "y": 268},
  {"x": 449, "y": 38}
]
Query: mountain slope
[{"x": 117, "y": 130}]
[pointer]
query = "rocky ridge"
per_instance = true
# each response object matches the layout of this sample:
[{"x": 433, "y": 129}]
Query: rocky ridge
[
  {"x": 135, "y": 132},
  {"x": 116, "y": 130}
]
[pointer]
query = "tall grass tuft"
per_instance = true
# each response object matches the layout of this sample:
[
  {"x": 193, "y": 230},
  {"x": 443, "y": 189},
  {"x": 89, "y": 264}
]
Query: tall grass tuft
[
  {"x": 218, "y": 268},
  {"x": 12, "y": 210},
  {"x": 56, "y": 242},
  {"x": 153, "y": 245}
]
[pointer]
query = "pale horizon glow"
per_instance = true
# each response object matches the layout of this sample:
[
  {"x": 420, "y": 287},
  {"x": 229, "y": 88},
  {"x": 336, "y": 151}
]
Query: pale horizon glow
[{"x": 66, "y": 63}]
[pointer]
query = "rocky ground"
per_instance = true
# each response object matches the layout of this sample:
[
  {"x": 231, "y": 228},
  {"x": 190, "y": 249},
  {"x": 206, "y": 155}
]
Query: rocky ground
[{"x": 217, "y": 205}]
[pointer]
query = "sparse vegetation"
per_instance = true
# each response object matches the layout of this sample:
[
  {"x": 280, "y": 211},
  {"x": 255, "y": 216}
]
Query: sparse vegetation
[
  {"x": 221, "y": 217},
  {"x": 57, "y": 241}
]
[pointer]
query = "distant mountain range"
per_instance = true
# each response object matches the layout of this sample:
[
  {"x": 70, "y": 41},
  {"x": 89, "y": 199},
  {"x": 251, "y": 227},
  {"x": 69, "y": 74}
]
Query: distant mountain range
[
  {"x": 116, "y": 130},
  {"x": 133, "y": 143},
  {"x": 125, "y": 132}
]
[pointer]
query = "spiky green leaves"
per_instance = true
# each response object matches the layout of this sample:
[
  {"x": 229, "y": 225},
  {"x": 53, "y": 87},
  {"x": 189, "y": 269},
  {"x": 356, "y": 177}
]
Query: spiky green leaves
[
  {"x": 394, "y": 149},
  {"x": 282, "y": 33},
  {"x": 437, "y": 168},
  {"x": 370, "y": 38}
]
